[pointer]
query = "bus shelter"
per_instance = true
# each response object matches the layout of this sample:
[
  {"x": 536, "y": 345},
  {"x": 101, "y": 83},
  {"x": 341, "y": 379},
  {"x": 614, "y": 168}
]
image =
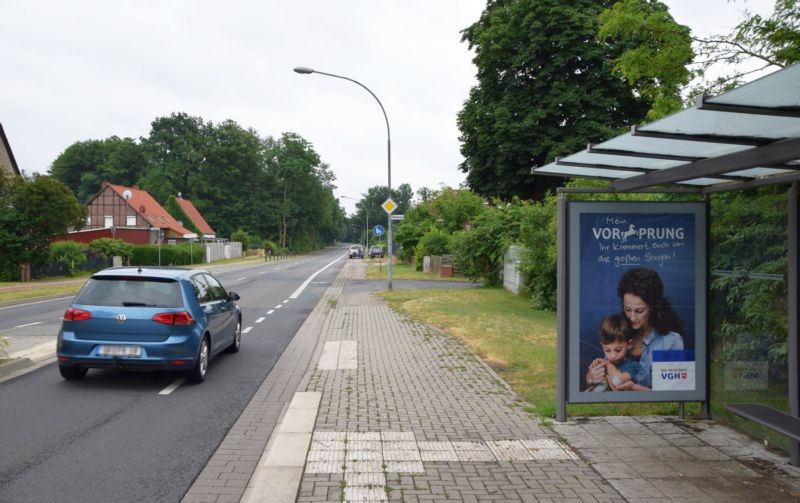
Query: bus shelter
[{"x": 745, "y": 138}]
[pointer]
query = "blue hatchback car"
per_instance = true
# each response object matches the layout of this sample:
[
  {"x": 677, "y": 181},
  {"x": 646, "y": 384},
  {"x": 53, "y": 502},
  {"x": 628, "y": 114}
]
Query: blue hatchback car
[{"x": 149, "y": 318}]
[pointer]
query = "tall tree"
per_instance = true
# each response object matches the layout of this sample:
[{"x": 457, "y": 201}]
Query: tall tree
[
  {"x": 176, "y": 148},
  {"x": 755, "y": 44},
  {"x": 369, "y": 207},
  {"x": 545, "y": 88},
  {"x": 84, "y": 165},
  {"x": 656, "y": 51},
  {"x": 34, "y": 211},
  {"x": 301, "y": 180},
  {"x": 231, "y": 155}
]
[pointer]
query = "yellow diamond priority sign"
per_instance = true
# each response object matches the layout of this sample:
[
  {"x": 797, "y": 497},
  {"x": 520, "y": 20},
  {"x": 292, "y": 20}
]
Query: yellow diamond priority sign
[{"x": 389, "y": 206}]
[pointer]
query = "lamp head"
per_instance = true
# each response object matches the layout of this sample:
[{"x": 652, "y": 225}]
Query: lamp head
[{"x": 303, "y": 70}]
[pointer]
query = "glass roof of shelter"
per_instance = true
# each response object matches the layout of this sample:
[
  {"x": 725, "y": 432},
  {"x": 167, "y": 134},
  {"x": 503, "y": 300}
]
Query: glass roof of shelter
[{"x": 746, "y": 137}]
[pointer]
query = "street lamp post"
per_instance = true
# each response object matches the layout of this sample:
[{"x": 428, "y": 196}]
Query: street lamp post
[
  {"x": 366, "y": 211},
  {"x": 365, "y": 231},
  {"x": 305, "y": 71}
]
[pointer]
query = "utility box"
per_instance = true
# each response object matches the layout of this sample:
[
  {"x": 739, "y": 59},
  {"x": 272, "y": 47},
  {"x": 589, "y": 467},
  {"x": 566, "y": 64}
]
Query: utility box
[{"x": 512, "y": 279}]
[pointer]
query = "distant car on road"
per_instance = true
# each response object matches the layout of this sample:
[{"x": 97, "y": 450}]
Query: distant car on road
[
  {"x": 356, "y": 251},
  {"x": 149, "y": 318},
  {"x": 375, "y": 251}
]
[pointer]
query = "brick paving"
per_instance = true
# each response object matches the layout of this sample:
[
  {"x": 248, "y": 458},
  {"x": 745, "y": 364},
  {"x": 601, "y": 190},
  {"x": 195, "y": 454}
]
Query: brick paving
[
  {"x": 416, "y": 417},
  {"x": 414, "y": 381}
]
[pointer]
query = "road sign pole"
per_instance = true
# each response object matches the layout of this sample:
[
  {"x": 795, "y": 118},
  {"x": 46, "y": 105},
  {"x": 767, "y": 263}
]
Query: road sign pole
[{"x": 389, "y": 206}]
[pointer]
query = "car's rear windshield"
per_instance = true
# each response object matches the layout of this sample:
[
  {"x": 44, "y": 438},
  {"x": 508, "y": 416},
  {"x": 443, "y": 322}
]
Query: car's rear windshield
[{"x": 127, "y": 291}]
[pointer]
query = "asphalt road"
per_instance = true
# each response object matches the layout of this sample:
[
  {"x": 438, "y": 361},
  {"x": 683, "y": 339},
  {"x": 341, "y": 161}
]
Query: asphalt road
[{"x": 125, "y": 436}]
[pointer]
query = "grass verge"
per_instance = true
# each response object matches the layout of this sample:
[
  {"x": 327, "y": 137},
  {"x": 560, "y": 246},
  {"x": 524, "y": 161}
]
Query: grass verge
[
  {"x": 43, "y": 291},
  {"x": 377, "y": 270},
  {"x": 50, "y": 287},
  {"x": 517, "y": 341}
]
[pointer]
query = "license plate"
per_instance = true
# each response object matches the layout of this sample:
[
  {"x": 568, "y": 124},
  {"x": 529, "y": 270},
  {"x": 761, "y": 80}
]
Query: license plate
[{"x": 127, "y": 351}]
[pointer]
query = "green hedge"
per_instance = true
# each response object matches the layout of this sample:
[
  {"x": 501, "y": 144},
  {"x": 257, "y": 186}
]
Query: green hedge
[{"x": 179, "y": 255}]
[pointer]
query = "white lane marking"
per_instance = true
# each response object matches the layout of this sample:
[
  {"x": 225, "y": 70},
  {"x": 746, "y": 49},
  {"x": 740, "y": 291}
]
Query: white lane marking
[
  {"x": 270, "y": 311},
  {"x": 240, "y": 279},
  {"x": 260, "y": 319},
  {"x": 285, "y": 301},
  {"x": 172, "y": 387},
  {"x": 263, "y": 272},
  {"x": 29, "y": 324},
  {"x": 247, "y": 330},
  {"x": 14, "y": 306},
  {"x": 311, "y": 278},
  {"x": 278, "y": 306}
]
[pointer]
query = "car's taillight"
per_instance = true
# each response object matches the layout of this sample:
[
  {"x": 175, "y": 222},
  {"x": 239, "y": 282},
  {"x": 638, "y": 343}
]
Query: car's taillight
[
  {"x": 181, "y": 318},
  {"x": 72, "y": 314}
]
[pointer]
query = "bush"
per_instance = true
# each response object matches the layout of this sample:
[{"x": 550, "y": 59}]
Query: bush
[
  {"x": 433, "y": 242},
  {"x": 177, "y": 255},
  {"x": 243, "y": 237},
  {"x": 271, "y": 248},
  {"x": 538, "y": 261},
  {"x": 71, "y": 253},
  {"x": 107, "y": 247}
]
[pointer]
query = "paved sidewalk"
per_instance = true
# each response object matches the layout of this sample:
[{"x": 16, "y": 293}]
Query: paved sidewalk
[{"x": 366, "y": 405}]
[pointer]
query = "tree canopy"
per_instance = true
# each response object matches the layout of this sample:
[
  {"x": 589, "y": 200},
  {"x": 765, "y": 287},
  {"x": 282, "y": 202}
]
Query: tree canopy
[
  {"x": 656, "y": 52},
  {"x": 755, "y": 44},
  {"x": 34, "y": 211},
  {"x": 272, "y": 188},
  {"x": 84, "y": 165},
  {"x": 546, "y": 87}
]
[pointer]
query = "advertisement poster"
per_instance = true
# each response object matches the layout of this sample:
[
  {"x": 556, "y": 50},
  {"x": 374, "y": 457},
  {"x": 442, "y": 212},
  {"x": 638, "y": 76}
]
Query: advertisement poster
[{"x": 637, "y": 302}]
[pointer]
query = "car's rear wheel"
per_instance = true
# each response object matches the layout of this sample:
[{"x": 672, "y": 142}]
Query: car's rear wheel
[
  {"x": 237, "y": 338},
  {"x": 72, "y": 373},
  {"x": 198, "y": 373}
]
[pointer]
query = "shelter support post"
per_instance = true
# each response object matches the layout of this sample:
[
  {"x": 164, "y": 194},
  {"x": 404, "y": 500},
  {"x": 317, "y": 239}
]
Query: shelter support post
[
  {"x": 792, "y": 336},
  {"x": 561, "y": 308},
  {"x": 705, "y": 406}
]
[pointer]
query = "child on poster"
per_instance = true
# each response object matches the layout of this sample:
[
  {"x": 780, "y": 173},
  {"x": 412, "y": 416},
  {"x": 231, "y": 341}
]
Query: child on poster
[{"x": 617, "y": 366}]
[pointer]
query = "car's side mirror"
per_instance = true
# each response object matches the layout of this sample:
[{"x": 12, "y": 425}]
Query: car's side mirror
[{"x": 233, "y": 296}]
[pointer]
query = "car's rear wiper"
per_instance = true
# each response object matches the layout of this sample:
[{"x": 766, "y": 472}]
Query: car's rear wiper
[{"x": 137, "y": 304}]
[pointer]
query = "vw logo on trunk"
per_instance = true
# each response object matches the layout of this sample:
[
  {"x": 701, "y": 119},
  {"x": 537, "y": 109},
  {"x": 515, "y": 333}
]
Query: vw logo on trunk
[{"x": 121, "y": 318}]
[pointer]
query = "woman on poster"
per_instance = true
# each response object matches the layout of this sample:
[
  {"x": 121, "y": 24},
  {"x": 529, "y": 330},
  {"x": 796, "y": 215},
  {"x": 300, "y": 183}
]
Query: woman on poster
[{"x": 654, "y": 323}]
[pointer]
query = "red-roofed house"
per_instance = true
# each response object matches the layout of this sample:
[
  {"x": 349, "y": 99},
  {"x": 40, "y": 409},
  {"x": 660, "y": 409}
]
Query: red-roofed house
[
  {"x": 197, "y": 219},
  {"x": 130, "y": 214}
]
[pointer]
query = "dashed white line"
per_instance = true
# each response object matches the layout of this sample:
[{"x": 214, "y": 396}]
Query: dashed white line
[
  {"x": 263, "y": 272},
  {"x": 29, "y": 324},
  {"x": 247, "y": 330},
  {"x": 172, "y": 387},
  {"x": 240, "y": 279},
  {"x": 285, "y": 301},
  {"x": 279, "y": 306},
  {"x": 311, "y": 278},
  {"x": 270, "y": 311},
  {"x": 260, "y": 319}
]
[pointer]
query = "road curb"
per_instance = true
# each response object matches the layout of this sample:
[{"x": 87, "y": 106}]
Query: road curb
[
  {"x": 15, "y": 365},
  {"x": 28, "y": 360}
]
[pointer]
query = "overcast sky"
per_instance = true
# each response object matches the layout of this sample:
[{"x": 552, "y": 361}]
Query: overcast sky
[{"x": 79, "y": 70}]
